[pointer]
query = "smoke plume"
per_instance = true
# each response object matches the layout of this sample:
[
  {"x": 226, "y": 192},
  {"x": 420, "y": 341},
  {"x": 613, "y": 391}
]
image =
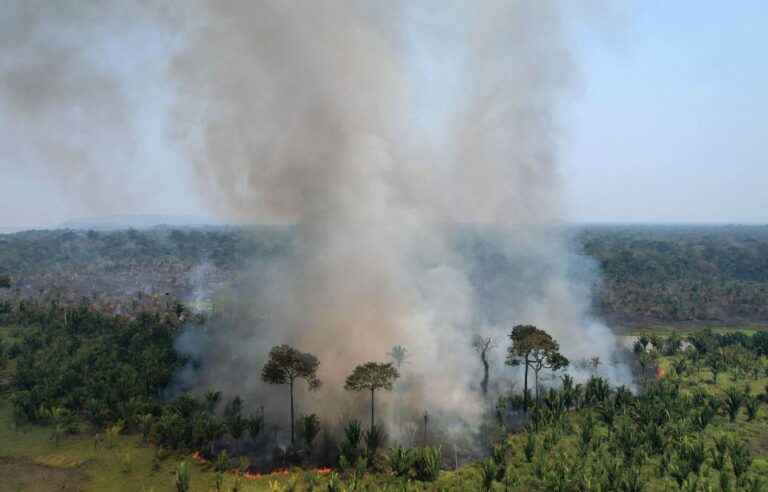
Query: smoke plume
[
  {"x": 411, "y": 147},
  {"x": 381, "y": 133}
]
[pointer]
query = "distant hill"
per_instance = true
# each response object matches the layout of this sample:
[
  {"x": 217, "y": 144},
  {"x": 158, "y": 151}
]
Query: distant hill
[{"x": 120, "y": 222}]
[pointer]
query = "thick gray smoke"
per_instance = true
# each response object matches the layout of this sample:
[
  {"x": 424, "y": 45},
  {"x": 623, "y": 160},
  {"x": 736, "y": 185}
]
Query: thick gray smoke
[
  {"x": 71, "y": 97},
  {"x": 412, "y": 144},
  {"x": 377, "y": 131},
  {"x": 56, "y": 100}
]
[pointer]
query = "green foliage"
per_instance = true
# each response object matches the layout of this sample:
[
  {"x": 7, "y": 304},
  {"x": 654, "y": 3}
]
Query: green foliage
[
  {"x": 235, "y": 423},
  {"x": 212, "y": 399},
  {"x": 102, "y": 367},
  {"x": 752, "y": 404},
  {"x": 720, "y": 451},
  {"x": 427, "y": 464},
  {"x": 334, "y": 483},
  {"x": 374, "y": 439},
  {"x": 536, "y": 350},
  {"x": 220, "y": 466},
  {"x": 741, "y": 458},
  {"x": 372, "y": 376},
  {"x": 182, "y": 477},
  {"x": 488, "y": 471},
  {"x": 401, "y": 461},
  {"x": 734, "y": 399},
  {"x": 309, "y": 428},
  {"x": 255, "y": 423},
  {"x": 499, "y": 457},
  {"x": 530, "y": 447},
  {"x": 350, "y": 446},
  {"x": 703, "y": 273},
  {"x": 286, "y": 364},
  {"x": 632, "y": 480},
  {"x": 597, "y": 390}
]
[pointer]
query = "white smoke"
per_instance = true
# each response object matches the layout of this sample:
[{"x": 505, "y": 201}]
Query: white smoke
[{"x": 377, "y": 130}]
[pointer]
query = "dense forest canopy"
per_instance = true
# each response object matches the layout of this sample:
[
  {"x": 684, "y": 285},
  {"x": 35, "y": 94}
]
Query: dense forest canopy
[
  {"x": 680, "y": 273},
  {"x": 643, "y": 273}
]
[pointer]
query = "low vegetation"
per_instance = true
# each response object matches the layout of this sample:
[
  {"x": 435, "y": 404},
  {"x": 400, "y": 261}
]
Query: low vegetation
[{"x": 83, "y": 403}]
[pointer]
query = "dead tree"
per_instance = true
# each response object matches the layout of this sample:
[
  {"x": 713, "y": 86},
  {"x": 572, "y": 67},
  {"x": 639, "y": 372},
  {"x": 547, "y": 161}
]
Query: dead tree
[{"x": 482, "y": 346}]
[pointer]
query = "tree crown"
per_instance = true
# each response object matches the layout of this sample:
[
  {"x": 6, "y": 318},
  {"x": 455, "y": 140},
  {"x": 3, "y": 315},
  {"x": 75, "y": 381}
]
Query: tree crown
[
  {"x": 533, "y": 345},
  {"x": 372, "y": 376},
  {"x": 286, "y": 364}
]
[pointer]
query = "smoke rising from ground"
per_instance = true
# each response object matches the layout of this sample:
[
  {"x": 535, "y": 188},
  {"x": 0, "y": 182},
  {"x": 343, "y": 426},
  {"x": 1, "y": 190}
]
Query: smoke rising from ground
[
  {"x": 413, "y": 146},
  {"x": 316, "y": 114}
]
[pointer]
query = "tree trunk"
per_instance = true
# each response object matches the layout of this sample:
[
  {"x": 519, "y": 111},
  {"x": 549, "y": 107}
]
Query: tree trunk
[
  {"x": 536, "y": 382},
  {"x": 484, "y": 383},
  {"x": 525, "y": 388},
  {"x": 373, "y": 420},
  {"x": 292, "y": 420}
]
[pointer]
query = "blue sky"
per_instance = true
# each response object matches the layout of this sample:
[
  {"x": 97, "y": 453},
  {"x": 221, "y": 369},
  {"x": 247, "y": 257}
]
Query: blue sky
[{"x": 668, "y": 124}]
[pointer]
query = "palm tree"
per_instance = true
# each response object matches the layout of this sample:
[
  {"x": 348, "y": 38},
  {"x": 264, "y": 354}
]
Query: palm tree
[{"x": 399, "y": 354}]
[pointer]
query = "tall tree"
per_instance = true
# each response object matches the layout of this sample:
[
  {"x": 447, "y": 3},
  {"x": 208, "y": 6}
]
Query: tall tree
[
  {"x": 285, "y": 365},
  {"x": 535, "y": 349},
  {"x": 482, "y": 346},
  {"x": 372, "y": 376}
]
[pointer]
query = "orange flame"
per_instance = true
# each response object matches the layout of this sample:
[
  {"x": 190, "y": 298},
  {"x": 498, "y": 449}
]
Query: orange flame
[
  {"x": 252, "y": 476},
  {"x": 256, "y": 476},
  {"x": 198, "y": 456},
  {"x": 660, "y": 373}
]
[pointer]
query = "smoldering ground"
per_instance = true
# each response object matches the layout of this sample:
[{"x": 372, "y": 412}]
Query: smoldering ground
[{"x": 372, "y": 127}]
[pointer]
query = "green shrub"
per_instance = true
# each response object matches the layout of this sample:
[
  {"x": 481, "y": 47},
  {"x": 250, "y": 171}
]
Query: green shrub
[
  {"x": 560, "y": 476},
  {"x": 530, "y": 447},
  {"x": 427, "y": 464},
  {"x": 631, "y": 481},
  {"x": 587, "y": 431},
  {"x": 220, "y": 466},
  {"x": 720, "y": 452},
  {"x": 182, "y": 477},
  {"x": 741, "y": 458},
  {"x": 374, "y": 439},
  {"x": 488, "y": 472},
  {"x": 499, "y": 456},
  {"x": 401, "y": 461},
  {"x": 703, "y": 417},
  {"x": 309, "y": 428},
  {"x": 733, "y": 401},
  {"x": 350, "y": 446},
  {"x": 752, "y": 406},
  {"x": 334, "y": 483}
]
